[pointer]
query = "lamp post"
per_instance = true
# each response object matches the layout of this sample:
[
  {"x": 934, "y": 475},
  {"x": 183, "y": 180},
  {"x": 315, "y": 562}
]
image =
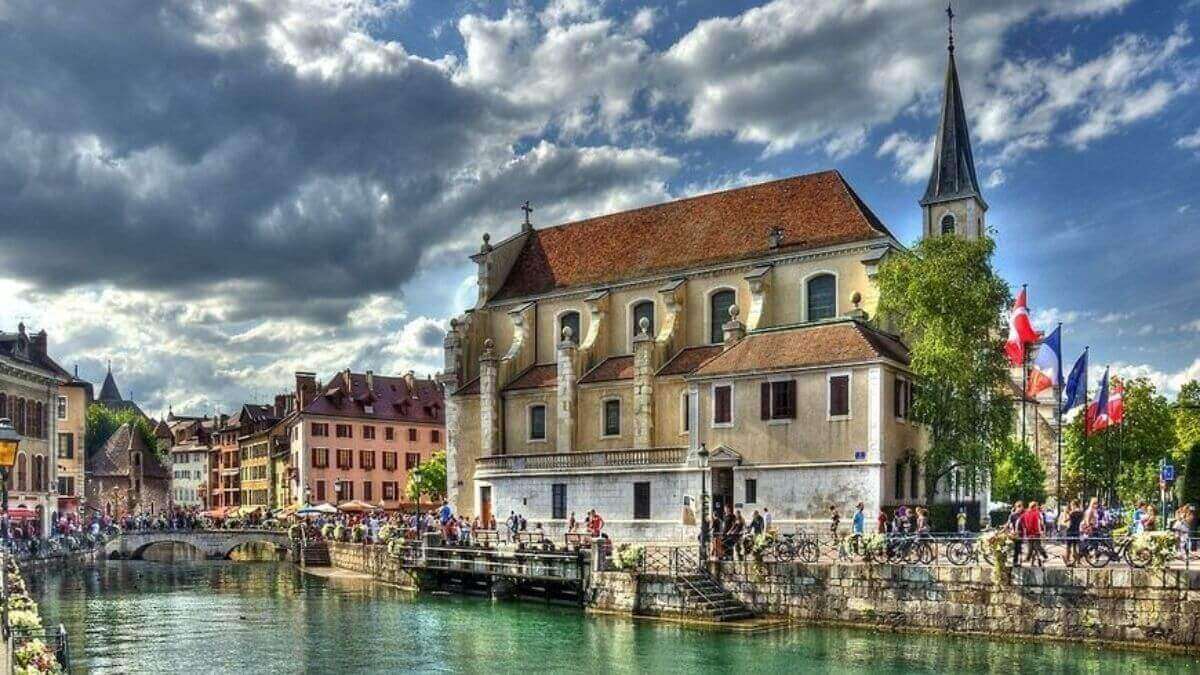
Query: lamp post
[
  {"x": 9, "y": 440},
  {"x": 702, "y": 454}
]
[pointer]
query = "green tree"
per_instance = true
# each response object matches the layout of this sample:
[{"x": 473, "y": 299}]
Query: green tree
[
  {"x": 1125, "y": 457},
  {"x": 1018, "y": 474},
  {"x": 1187, "y": 418},
  {"x": 946, "y": 299},
  {"x": 428, "y": 479},
  {"x": 1189, "y": 492},
  {"x": 102, "y": 422}
]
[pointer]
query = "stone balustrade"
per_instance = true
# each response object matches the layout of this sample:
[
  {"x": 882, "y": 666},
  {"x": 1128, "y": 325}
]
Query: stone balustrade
[{"x": 581, "y": 460}]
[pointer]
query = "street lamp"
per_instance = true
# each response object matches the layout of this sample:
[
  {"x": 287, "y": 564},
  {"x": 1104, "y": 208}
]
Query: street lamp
[
  {"x": 9, "y": 440},
  {"x": 702, "y": 454}
]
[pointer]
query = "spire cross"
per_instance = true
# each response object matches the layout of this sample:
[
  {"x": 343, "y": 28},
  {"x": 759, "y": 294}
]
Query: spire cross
[
  {"x": 950, "y": 23},
  {"x": 528, "y": 210}
]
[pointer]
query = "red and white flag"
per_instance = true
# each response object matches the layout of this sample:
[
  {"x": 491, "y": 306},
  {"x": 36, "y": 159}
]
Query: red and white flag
[
  {"x": 1116, "y": 403},
  {"x": 1020, "y": 331}
]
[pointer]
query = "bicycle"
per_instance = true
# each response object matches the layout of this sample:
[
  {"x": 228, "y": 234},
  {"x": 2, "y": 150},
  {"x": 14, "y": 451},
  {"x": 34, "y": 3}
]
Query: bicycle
[
  {"x": 965, "y": 551},
  {"x": 911, "y": 549},
  {"x": 789, "y": 547},
  {"x": 1105, "y": 549}
]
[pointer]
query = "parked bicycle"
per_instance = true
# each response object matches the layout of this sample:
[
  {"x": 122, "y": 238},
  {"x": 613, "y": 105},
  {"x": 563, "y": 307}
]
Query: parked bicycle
[
  {"x": 791, "y": 547},
  {"x": 968, "y": 551},
  {"x": 1102, "y": 550}
]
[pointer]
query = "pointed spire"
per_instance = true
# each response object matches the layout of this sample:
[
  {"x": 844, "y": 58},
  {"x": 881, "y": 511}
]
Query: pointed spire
[
  {"x": 108, "y": 390},
  {"x": 953, "y": 175}
]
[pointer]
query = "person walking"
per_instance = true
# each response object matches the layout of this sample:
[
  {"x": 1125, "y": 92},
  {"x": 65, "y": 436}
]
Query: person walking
[
  {"x": 1014, "y": 528},
  {"x": 858, "y": 527},
  {"x": 1074, "y": 516},
  {"x": 962, "y": 520},
  {"x": 1033, "y": 527}
]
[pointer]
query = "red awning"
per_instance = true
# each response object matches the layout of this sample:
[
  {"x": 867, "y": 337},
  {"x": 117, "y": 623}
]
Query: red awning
[{"x": 22, "y": 514}]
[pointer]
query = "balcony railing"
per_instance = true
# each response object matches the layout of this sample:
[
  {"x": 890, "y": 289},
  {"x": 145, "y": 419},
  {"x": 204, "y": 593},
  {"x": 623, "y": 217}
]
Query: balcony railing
[{"x": 583, "y": 460}]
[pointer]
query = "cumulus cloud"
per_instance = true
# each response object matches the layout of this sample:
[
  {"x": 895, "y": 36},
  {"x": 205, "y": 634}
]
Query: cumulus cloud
[
  {"x": 912, "y": 157},
  {"x": 1189, "y": 142}
]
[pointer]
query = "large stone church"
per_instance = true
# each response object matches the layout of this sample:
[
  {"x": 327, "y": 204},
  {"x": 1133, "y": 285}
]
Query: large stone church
[{"x": 603, "y": 355}]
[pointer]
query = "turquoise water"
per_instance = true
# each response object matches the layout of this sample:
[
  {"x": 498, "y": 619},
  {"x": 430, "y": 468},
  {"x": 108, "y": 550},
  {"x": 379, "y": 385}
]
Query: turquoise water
[{"x": 224, "y": 617}]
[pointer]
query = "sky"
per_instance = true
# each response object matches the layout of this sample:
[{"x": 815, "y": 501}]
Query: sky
[{"x": 213, "y": 195}]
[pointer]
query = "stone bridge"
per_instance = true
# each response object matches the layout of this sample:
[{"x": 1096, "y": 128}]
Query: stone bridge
[{"x": 215, "y": 544}]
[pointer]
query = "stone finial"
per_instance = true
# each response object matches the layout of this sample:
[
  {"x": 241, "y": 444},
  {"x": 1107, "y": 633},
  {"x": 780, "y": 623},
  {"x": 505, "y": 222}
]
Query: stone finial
[
  {"x": 733, "y": 312},
  {"x": 856, "y": 299},
  {"x": 488, "y": 347},
  {"x": 644, "y": 326},
  {"x": 858, "y": 313},
  {"x": 487, "y": 246},
  {"x": 733, "y": 330},
  {"x": 775, "y": 238},
  {"x": 567, "y": 334}
]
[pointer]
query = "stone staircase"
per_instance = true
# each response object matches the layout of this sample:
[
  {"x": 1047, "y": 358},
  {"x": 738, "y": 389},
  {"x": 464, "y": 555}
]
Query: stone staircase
[
  {"x": 705, "y": 598},
  {"x": 314, "y": 555}
]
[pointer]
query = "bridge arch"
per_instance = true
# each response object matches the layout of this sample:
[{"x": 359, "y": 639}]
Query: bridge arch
[{"x": 214, "y": 544}]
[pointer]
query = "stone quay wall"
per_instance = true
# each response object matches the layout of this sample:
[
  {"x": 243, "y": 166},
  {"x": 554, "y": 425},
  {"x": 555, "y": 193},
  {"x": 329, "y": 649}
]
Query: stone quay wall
[
  {"x": 1122, "y": 606},
  {"x": 636, "y": 595},
  {"x": 373, "y": 560}
]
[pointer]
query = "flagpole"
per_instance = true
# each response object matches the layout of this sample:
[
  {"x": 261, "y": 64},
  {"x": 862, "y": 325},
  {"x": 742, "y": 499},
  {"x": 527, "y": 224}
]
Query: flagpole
[
  {"x": 1085, "y": 413},
  {"x": 1024, "y": 379},
  {"x": 1058, "y": 407}
]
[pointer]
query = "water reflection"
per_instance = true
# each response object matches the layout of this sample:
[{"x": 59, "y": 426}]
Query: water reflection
[{"x": 232, "y": 617}]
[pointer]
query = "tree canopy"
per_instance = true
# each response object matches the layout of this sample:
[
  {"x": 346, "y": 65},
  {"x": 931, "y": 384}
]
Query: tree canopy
[
  {"x": 428, "y": 479},
  {"x": 1124, "y": 458},
  {"x": 1018, "y": 475},
  {"x": 102, "y": 422},
  {"x": 947, "y": 301},
  {"x": 1187, "y": 418}
]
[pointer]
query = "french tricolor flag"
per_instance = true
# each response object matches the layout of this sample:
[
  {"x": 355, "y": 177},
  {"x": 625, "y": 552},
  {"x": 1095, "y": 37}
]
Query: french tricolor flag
[{"x": 1047, "y": 367}]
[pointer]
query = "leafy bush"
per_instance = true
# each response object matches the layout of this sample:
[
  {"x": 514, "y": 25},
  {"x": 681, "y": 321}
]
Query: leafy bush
[
  {"x": 328, "y": 530},
  {"x": 24, "y": 619},
  {"x": 1158, "y": 548},
  {"x": 35, "y": 657},
  {"x": 1190, "y": 490},
  {"x": 630, "y": 556},
  {"x": 999, "y": 544},
  {"x": 358, "y": 533}
]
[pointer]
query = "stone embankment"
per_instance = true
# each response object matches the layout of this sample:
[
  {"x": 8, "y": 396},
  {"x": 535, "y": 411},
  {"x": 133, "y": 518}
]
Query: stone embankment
[{"x": 1120, "y": 607}]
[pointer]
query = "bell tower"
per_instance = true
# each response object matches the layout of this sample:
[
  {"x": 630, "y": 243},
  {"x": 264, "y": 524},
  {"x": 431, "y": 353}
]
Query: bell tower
[{"x": 953, "y": 203}]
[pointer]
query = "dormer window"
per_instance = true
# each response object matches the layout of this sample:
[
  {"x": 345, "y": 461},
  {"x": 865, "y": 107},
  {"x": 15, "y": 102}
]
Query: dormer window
[
  {"x": 642, "y": 310},
  {"x": 948, "y": 224}
]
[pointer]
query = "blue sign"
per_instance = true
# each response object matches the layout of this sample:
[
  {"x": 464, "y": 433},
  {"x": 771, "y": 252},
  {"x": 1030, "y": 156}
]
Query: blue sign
[
  {"x": 1168, "y": 473},
  {"x": 860, "y": 455}
]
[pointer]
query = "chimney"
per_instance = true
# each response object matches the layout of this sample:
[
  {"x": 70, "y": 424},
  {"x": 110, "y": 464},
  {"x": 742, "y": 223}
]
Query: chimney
[
  {"x": 410, "y": 381},
  {"x": 775, "y": 238},
  {"x": 280, "y": 405},
  {"x": 734, "y": 330},
  {"x": 306, "y": 389},
  {"x": 370, "y": 382},
  {"x": 347, "y": 382}
]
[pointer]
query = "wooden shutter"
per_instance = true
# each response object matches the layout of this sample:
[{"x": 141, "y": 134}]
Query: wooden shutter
[
  {"x": 765, "y": 400},
  {"x": 790, "y": 412},
  {"x": 898, "y": 398}
]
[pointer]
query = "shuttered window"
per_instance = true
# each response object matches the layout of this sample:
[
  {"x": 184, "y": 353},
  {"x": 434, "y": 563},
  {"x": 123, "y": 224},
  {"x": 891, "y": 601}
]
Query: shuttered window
[
  {"x": 723, "y": 404},
  {"x": 839, "y": 395},
  {"x": 777, "y": 400}
]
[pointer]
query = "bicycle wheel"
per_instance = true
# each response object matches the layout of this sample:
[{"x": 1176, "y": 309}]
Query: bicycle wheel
[
  {"x": 1097, "y": 556},
  {"x": 895, "y": 554},
  {"x": 1137, "y": 558},
  {"x": 958, "y": 553},
  {"x": 809, "y": 552},
  {"x": 928, "y": 553},
  {"x": 784, "y": 552}
]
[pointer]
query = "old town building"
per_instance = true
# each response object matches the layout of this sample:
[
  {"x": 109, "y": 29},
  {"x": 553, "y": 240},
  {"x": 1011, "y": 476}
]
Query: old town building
[
  {"x": 70, "y": 412},
  {"x": 30, "y": 382},
  {"x": 268, "y": 434},
  {"x": 358, "y": 435},
  {"x": 190, "y": 454},
  {"x": 126, "y": 476}
]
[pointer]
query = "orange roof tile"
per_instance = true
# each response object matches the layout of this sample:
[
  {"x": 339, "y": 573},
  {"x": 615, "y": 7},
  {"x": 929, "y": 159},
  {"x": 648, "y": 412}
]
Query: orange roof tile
[
  {"x": 610, "y": 370},
  {"x": 689, "y": 359},
  {"x": 813, "y": 210},
  {"x": 535, "y": 377},
  {"x": 805, "y": 346}
]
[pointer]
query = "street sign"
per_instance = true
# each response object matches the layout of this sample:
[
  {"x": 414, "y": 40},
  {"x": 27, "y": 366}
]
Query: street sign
[
  {"x": 860, "y": 455},
  {"x": 1168, "y": 473}
]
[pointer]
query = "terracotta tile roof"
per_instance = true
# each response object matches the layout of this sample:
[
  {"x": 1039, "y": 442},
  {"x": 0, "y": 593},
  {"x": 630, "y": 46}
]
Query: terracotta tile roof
[
  {"x": 814, "y": 210},
  {"x": 612, "y": 369},
  {"x": 390, "y": 399},
  {"x": 689, "y": 359},
  {"x": 535, "y": 377},
  {"x": 804, "y": 346}
]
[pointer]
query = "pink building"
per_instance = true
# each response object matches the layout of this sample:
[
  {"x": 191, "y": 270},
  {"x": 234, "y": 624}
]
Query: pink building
[{"x": 358, "y": 436}]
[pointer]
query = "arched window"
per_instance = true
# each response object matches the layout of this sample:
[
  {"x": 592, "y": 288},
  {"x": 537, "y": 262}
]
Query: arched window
[
  {"x": 39, "y": 473},
  {"x": 914, "y": 479},
  {"x": 718, "y": 305},
  {"x": 643, "y": 310},
  {"x": 822, "y": 297},
  {"x": 948, "y": 224},
  {"x": 3, "y": 405},
  {"x": 569, "y": 320},
  {"x": 19, "y": 422},
  {"x": 22, "y": 473}
]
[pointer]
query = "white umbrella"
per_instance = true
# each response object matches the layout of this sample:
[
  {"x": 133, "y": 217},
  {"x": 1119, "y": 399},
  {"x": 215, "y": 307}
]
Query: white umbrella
[{"x": 324, "y": 508}]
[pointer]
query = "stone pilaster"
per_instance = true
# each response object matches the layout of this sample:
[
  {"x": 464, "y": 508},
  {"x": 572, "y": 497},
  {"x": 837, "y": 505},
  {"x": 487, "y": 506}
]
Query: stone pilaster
[
  {"x": 489, "y": 402},
  {"x": 643, "y": 387},
  {"x": 593, "y": 349},
  {"x": 759, "y": 281},
  {"x": 567, "y": 350}
]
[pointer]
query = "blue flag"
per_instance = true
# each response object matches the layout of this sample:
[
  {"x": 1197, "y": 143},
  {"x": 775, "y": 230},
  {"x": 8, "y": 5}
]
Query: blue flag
[{"x": 1076, "y": 388}]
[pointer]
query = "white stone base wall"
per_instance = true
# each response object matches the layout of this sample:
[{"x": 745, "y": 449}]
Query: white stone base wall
[{"x": 797, "y": 496}]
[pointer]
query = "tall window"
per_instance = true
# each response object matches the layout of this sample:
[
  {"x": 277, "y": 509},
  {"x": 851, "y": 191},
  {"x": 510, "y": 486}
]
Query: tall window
[
  {"x": 368, "y": 432},
  {"x": 435, "y": 435},
  {"x": 822, "y": 297},
  {"x": 368, "y": 491},
  {"x": 751, "y": 490},
  {"x": 345, "y": 459},
  {"x": 344, "y": 431},
  {"x": 66, "y": 446},
  {"x": 685, "y": 413},
  {"x": 839, "y": 395},
  {"x": 723, "y": 404},
  {"x": 914, "y": 481},
  {"x": 411, "y": 460},
  {"x": 537, "y": 423},
  {"x": 642, "y": 310},
  {"x": 778, "y": 400},
  {"x": 899, "y": 480},
  {"x": 412, "y": 435},
  {"x": 641, "y": 501},
  {"x": 612, "y": 417},
  {"x": 569, "y": 320},
  {"x": 389, "y": 434},
  {"x": 902, "y": 395},
  {"x": 22, "y": 473},
  {"x": 719, "y": 305},
  {"x": 389, "y": 461},
  {"x": 948, "y": 224},
  {"x": 558, "y": 501},
  {"x": 320, "y": 429},
  {"x": 62, "y": 408},
  {"x": 366, "y": 460}
]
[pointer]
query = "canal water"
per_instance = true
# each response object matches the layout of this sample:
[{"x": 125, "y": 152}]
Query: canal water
[{"x": 238, "y": 617}]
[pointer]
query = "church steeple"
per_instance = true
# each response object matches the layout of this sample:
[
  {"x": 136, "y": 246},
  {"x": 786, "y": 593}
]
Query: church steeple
[{"x": 953, "y": 202}]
